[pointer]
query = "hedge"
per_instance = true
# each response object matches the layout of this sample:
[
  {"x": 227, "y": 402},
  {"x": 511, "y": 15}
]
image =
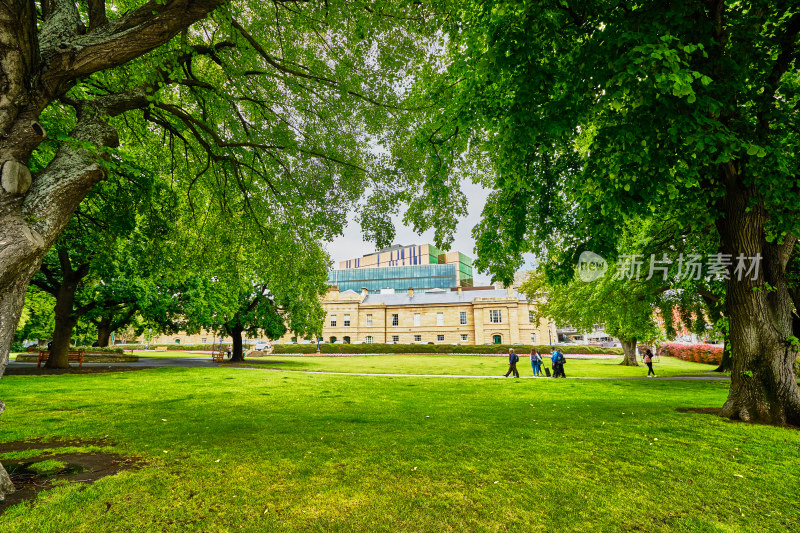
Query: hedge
[
  {"x": 698, "y": 353},
  {"x": 435, "y": 348}
]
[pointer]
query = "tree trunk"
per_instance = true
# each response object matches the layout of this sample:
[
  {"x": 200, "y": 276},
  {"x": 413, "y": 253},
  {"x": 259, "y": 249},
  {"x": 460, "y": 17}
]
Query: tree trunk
[
  {"x": 236, "y": 335},
  {"x": 629, "y": 351},
  {"x": 12, "y": 298},
  {"x": 726, "y": 365},
  {"x": 65, "y": 324},
  {"x": 103, "y": 331},
  {"x": 763, "y": 384}
]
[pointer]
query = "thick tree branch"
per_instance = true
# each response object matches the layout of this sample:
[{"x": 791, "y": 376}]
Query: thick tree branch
[
  {"x": 97, "y": 14},
  {"x": 118, "y": 41}
]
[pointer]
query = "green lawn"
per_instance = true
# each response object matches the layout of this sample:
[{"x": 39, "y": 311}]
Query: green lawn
[
  {"x": 474, "y": 365},
  {"x": 229, "y": 449}
]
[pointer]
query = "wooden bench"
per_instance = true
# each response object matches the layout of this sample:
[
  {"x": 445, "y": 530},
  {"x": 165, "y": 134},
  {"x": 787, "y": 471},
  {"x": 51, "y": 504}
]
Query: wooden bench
[
  {"x": 72, "y": 355},
  {"x": 217, "y": 356},
  {"x": 160, "y": 348}
]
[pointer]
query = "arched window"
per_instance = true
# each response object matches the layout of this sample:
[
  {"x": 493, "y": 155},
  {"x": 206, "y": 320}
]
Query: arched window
[
  {"x": 346, "y": 340},
  {"x": 497, "y": 339},
  {"x": 332, "y": 340}
]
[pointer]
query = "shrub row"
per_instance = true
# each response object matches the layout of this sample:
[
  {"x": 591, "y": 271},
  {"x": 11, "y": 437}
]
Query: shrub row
[
  {"x": 435, "y": 348},
  {"x": 698, "y": 353}
]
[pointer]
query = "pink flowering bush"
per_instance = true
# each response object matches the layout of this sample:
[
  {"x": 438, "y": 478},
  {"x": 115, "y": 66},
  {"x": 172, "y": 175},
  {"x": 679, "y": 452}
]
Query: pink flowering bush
[{"x": 698, "y": 353}]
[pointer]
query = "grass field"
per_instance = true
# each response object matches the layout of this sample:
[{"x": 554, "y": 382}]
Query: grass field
[
  {"x": 227, "y": 449},
  {"x": 473, "y": 365}
]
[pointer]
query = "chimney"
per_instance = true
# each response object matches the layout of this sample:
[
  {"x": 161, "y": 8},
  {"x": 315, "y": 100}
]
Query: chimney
[
  {"x": 459, "y": 290},
  {"x": 410, "y": 292},
  {"x": 364, "y": 292},
  {"x": 510, "y": 291},
  {"x": 333, "y": 288}
]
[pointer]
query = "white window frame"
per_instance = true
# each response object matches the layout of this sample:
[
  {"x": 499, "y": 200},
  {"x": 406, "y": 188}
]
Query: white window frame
[
  {"x": 463, "y": 318},
  {"x": 464, "y": 337},
  {"x": 440, "y": 319},
  {"x": 417, "y": 338},
  {"x": 333, "y": 321},
  {"x": 395, "y": 319},
  {"x": 395, "y": 338},
  {"x": 439, "y": 338},
  {"x": 495, "y": 316},
  {"x": 369, "y": 321},
  {"x": 368, "y": 340},
  {"x": 346, "y": 321}
]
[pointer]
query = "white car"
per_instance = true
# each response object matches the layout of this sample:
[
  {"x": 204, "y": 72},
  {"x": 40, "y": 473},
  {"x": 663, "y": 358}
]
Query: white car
[{"x": 262, "y": 346}]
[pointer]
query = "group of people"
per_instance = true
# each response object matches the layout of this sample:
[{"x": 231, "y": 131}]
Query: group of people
[
  {"x": 558, "y": 360},
  {"x": 556, "y": 357}
]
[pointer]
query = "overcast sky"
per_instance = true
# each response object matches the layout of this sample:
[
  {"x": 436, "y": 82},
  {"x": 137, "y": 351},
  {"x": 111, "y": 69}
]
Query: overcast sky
[{"x": 351, "y": 244}]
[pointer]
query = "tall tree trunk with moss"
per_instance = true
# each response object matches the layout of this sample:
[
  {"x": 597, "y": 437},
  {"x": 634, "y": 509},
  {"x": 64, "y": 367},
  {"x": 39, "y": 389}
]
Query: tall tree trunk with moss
[
  {"x": 629, "y": 352},
  {"x": 763, "y": 383}
]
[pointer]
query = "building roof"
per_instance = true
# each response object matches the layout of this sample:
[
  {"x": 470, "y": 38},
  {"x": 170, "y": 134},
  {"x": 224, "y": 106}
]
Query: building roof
[{"x": 438, "y": 297}]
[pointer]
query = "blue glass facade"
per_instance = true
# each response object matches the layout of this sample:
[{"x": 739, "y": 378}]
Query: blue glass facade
[{"x": 400, "y": 278}]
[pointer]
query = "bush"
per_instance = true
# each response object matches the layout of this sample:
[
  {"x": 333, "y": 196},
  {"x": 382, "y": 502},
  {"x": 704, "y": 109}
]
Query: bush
[
  {"x": 17, "y": 346},
  {"x": 698, "y": 353},
  {"x": 97, "y": 349},
  {"x": 434, "y": 348}
]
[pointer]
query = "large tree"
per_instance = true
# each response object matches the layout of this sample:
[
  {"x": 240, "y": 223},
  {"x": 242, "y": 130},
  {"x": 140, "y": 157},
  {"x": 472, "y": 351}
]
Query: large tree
[
  {"x": 274, "y": 103},
  {"x": 597, "y": 112}
]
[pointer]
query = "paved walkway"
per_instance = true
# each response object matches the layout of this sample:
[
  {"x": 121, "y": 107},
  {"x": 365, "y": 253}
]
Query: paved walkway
[{"x": 198, "y": 362}]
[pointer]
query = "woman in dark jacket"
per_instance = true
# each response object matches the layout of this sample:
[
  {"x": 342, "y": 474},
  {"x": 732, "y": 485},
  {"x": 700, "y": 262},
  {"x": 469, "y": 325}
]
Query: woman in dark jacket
[{"x": 648, "y": 360}]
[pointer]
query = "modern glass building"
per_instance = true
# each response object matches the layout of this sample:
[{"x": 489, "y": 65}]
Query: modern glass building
[
  {"x": 419, "y": 278},
  {"x": 412, "y": 256}
]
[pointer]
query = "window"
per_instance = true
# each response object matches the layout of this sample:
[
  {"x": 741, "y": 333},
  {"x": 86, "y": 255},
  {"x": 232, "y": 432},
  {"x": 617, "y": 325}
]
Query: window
[
  {"x": 395, "y": 338},
  {"x": 346, "y": 321},
  {"x": 533, "y": 338},
  {"x": 368, "y": 339},
  {"x": 177, "y": 341},
  {"x": 440, "y": 319},
  {"x": 332, "y": 340},
  {"x": 497, "y": 339},
  {"x": 395, "y": 319},
  {"x": 530, "y": 317},
  {"x": 463, "y": 338},
  {"x": 203, "y": 340},
  {"x": 294, "y": 340},
  {"x": 346, "y": 340},
  {"x": 417, "y": 338},
  {"x": 369, "y": 321},
  {"x": 417, "y": 319},
  {"x": 463, "y": 315},
  {"x": 495, "y": 316},
  {"x": 440, "y": 338},
  {"x": 333, "y": 321}
]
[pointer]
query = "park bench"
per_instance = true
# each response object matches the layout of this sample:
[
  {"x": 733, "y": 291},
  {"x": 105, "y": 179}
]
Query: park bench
[
  {"x": 160, "y": 348},
  {"x": 217, "y": 356},
  {"x": 72, "y": 355}
]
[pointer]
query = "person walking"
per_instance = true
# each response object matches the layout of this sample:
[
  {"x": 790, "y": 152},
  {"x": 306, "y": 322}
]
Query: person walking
[
  {"x": 536, "y": 361},
  {"x": 554, "y": 359},
  {"x": 648, "y": 360},
  {"x": 512, "y": 363},
  {"x": 558, "y": 363}
]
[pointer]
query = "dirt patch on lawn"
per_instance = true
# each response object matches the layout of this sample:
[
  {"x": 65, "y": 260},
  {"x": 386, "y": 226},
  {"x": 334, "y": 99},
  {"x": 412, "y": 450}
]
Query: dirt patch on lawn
[
  {"x": 34, "y": 371},
  {"x": 34, "y": 475},
  {"x": 700, "y": 410}
]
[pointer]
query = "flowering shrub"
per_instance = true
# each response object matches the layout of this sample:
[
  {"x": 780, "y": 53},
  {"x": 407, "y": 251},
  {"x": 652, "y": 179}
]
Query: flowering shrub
[{"x": 698, "y": 353}]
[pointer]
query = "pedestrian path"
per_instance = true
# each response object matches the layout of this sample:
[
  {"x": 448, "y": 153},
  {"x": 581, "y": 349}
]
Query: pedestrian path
[{"x": 198, "y": 362}]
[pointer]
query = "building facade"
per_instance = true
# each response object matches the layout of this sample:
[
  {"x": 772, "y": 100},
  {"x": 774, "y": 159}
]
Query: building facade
[
  {"x": 410, "y": 257},
  {"x": 438, "y": 316}
]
